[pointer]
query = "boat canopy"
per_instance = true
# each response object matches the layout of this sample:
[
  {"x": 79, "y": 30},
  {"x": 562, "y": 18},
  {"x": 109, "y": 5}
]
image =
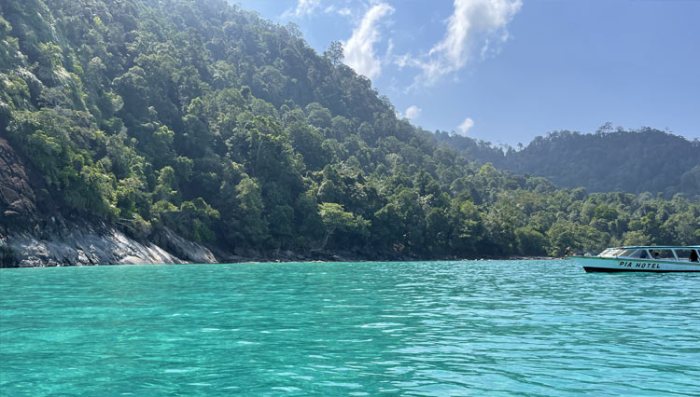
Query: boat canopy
[
  {"x": 689, "y": 253},
  {"x": 659, "y": 246}
]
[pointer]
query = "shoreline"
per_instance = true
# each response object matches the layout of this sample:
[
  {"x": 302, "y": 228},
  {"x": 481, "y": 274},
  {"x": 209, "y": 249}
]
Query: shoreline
[
  {"x": 114, "y": 248},
  {"x": 265, "y": 262},
  {"x": 104, "y": 246}
]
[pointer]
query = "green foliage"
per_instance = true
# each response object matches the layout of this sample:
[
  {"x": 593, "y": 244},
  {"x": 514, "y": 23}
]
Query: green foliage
[
  {"x": 232, "y": 131},
  {"x": 251, "y": 226},
  {"x": 192, "y": 220},
  {"x": 58, "y": 143},
  {"x": 531, "y": 241},
  {"x": 338, "y": 221},
  {"x": 645, "y": 160}
]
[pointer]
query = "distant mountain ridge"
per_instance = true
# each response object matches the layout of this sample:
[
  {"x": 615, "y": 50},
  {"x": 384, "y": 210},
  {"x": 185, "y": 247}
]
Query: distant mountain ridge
[{"x": 635, "y": 161}]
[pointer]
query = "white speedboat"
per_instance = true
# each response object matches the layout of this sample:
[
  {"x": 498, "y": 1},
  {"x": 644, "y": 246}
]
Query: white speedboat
[{"x": 659, "y": 259}]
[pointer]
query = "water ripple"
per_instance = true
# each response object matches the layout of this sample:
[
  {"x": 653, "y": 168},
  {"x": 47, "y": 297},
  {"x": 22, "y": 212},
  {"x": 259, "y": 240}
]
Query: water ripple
[{"x": 518, "y": 328}]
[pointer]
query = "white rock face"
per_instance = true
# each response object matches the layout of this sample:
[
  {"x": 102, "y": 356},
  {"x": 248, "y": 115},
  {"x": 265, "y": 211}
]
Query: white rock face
[{"x": 92, "y": 247}]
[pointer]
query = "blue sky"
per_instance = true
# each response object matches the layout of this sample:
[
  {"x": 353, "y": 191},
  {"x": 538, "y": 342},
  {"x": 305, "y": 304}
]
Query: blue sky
[{"x": 506, "y": 71}]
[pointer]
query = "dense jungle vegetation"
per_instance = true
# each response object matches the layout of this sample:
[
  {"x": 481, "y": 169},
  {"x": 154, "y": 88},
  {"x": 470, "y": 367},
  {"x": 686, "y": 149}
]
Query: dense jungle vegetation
[
  {"x": 230, "y": 130},
  {"x": 612, "y": 159}
]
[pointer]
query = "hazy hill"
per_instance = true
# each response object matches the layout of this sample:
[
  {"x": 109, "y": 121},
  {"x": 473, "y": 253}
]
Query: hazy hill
[
  {"x": 647, "y": 160},
  {"x": 183, "y": 119}
]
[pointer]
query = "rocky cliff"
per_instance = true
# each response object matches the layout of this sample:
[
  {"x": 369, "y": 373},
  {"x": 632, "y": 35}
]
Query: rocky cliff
[{"x": 31, "y": 235}]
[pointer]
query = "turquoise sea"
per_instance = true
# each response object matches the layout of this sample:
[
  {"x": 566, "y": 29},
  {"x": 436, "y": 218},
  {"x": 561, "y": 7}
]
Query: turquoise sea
[{"x": 496, "y": 328}]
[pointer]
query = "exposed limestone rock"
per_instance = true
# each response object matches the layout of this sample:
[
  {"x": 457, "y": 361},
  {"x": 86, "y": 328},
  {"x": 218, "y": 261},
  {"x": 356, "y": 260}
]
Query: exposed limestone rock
[
  {"x": 85, "y": 247},
  {"x": 182, "y": 248}
]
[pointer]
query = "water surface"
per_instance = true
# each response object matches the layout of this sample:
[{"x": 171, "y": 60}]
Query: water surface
[{"x": 511, "y": 328}]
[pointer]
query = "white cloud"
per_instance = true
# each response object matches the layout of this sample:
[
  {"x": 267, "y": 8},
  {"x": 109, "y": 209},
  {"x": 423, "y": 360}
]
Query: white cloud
[
  {"x": 402, "y": 61},
  {"x": 475, "y": 27},
  {"x": 412, "y": 112},
  {"x": 359, "y": 48},
  {"x": 345, "y": 11},
  {"x": 306, "y": 7},
  {"x": 463, "y": 129},
  {"x": 311, "y": 8},
  {"x": 337, "y": 9}
]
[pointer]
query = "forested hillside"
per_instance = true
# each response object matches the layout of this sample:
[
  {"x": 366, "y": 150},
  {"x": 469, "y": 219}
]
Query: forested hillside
[
  {"x": 640, "y": 161},
  {"x": 203, "y": 119}
]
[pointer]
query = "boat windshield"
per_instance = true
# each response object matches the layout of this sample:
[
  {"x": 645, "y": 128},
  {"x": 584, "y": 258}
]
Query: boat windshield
[
  {"x": 611, "y": 253},
  {"x": 634, "y": 253}
]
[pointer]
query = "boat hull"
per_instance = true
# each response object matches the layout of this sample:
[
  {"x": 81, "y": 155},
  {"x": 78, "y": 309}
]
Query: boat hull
[{"x": 619, "y": 265}]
